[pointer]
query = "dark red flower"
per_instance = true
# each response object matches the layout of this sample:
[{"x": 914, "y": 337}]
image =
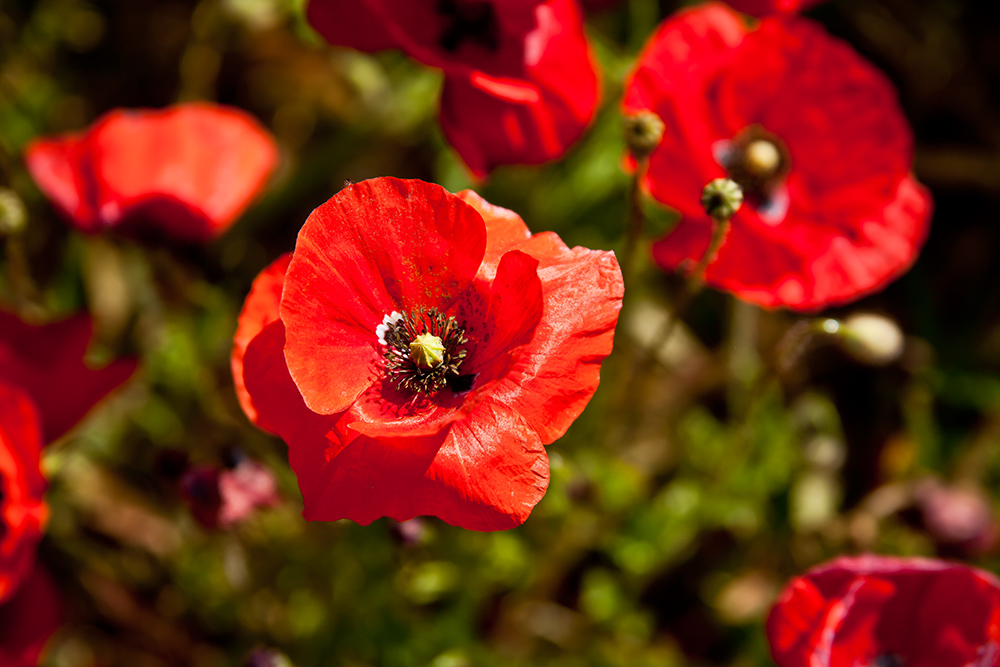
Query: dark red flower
[
  {"x": 880, "y": 611},
  {"x": 424, "y": 348},
  {"x": 23, "y": 513},
  {"x": 47, "y": 362},
  {"x": 812, "y": 132},
  {"x": 28, "y": 619},
  {"x": 187, "y": 171},
  {"x": 520, "y": 84},
  {"x": 765, "y": 7}
]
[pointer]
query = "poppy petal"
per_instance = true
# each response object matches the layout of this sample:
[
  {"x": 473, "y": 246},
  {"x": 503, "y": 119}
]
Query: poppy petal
[
  {"x": 28, "y": 620},
  {"x": 48, "y": 363},
  {"x": 360, "y": 257},
  {"x": 559, "y": 370},
  {"x": 188, "y": 171},
  {"x": 259, "y": 310},
  {"x": 23, "y": 513},
  {"x": 527, "y": 113},
  {"x": 486, "y": 473}
]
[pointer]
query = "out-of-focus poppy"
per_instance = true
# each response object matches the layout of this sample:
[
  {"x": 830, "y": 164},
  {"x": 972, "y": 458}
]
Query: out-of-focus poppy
[
  {"x": 28, "y": 619},
  {"x": 812, "y": 133},
  {"x": 424, "y": 348},
  {"x": 47, "y": 362},
  {"x": 23, "y": 512},
  {"x": 185, "y": 172},
  {"x": 520, "y": 84},
  {"x": 887, "y": 612}
]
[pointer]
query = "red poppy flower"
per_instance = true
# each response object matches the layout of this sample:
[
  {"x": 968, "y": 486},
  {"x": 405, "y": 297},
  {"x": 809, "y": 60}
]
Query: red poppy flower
[
  {"x": 765, "y": 7},
  {"x": 47, "y": 362},
  {"x": 22, "y": 511},
  {"x": 187, "y": 171},
  {"x": 28, "y": 619},
  {"x": 520, "y": 84},
  {"x": 424, "y": 348},
  {"x": 812, "y": 132},
  {"x": 887, "y": 612}
]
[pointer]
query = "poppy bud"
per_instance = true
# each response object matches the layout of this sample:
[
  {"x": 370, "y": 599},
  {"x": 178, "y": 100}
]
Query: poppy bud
[
  {"x": 722, "y": 198},
  {"x": 427, "y": 351},
  {"x": 12, "y": 214},
  {"x": 643, "y": 131},
  {"x": 871, "y": 339}
]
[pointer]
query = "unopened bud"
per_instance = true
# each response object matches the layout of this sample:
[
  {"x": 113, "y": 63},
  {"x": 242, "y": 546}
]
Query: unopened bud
[
  {"x": 643, "y": 132},
  {"x": 13, "y": 215},
  {"x": 722, "y": 198},
  {"x": 871, "y": 339},
  {"x": 427, "y": 351}
]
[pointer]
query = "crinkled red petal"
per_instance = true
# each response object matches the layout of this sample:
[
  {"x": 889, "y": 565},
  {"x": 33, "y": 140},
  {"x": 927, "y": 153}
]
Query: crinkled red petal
[
  {"x": 28, "y": 620},
  {"x": 188, "y": 171},
  {"x": 557, "y": 372},
  {"x": 259, "y": 310},
  {"x": 279, "y": 406},
  {"x": 47, "y": 362},
  {"x": 485, "y": 473},
  {"x": 376, "y": 247},
  {"x": 23, "y": 512}
]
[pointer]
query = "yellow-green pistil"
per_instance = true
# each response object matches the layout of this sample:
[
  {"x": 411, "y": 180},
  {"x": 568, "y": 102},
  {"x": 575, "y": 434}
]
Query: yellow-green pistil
[{"x": 427, "y": 351}]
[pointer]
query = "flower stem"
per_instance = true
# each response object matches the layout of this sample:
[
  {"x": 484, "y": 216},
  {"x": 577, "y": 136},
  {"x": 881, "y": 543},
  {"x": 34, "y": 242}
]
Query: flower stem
[{"x": 636, "y": 219}]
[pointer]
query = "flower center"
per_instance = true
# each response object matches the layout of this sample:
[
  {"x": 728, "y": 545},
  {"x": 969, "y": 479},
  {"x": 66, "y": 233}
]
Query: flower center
[
  {"x": 888, "y": 660},
  {"x": 758, "y": 161},
  {"x": 472, "y": 21},
  {"x": 423, "y": 350}
]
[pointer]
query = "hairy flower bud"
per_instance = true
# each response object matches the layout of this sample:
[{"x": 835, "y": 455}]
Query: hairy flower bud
[
  {"x": 722, "y": 198},
  {"x": 643, "y": 132}
]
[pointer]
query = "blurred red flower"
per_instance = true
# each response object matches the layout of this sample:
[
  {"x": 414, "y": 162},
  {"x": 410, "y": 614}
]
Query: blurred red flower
[
  {"x": 28, "y": 619},
  {"x": 419, "y": 349},
  {"x": 520, "y": 84},
  {"x": 887, "y": 612},
  {"x": 185, "y": 172},
  {"x": 23, "y": 512},
  {"x": 812, "y": 132},
  {"x": 47, "y": 362},
  {"x": 765, "y": 7}
]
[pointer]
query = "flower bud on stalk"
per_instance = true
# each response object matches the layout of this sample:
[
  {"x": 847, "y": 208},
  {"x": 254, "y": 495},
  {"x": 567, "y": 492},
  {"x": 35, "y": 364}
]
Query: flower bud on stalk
[
  {"x": 868, "y": 338},
  {"x": 643, "y": 132},
  {"x": 721, "y": 198}
]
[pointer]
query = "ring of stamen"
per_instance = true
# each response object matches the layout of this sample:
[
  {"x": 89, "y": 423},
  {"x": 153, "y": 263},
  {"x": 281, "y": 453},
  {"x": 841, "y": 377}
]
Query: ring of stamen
[{"x": 423, "y": 350}]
